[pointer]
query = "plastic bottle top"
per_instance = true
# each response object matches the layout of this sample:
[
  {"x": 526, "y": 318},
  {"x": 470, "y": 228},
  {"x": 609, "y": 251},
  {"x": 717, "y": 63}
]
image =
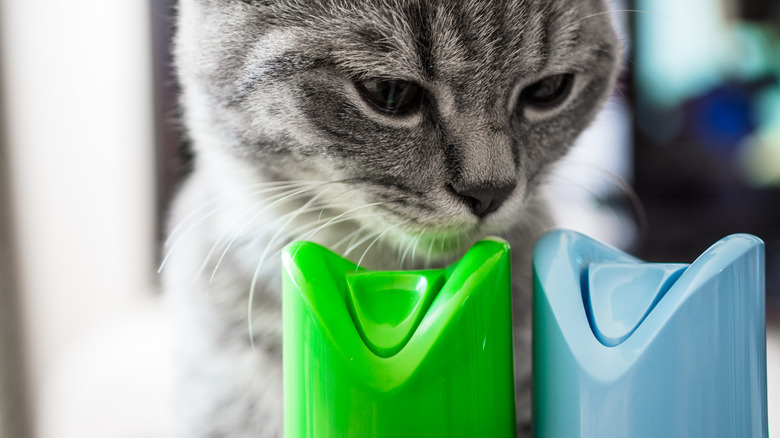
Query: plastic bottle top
[
  {"x": 387, "y": 307},
  {"x": 621, "y": 295}
]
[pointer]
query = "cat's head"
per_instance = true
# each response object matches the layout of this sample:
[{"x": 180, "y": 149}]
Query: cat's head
[{"x": 440, "y": 114}]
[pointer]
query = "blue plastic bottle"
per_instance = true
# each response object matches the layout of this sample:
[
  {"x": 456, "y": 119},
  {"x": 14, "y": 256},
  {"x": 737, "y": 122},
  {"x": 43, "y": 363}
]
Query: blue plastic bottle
[{"x": 628, "y": 349}]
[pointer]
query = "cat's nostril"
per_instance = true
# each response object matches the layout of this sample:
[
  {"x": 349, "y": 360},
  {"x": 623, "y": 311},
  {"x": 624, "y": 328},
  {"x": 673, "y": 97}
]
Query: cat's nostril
[{"x": 485, "y": 198}]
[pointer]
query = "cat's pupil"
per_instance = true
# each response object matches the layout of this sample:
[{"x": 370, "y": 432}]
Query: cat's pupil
[
  {"x": 549, "y": 91},
  {"x": 391, "y": 96}
]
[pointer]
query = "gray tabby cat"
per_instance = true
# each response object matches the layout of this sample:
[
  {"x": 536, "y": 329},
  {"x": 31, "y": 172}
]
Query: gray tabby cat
[{"x": 398, "y": 132}]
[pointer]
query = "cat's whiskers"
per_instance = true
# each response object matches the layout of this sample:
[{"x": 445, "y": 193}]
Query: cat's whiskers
[
  {"x": 290, "y": 236},
  {"x": 219, "y": 241},
  {"x": 346, "y": 213},
  {"x": 623, "y": 187},
  {"x": 289, "y": 217},
  {"x": 409, "y": 247},
  {"x": 612, "y": 178},
  {"x": 430, "y": 251},
  {"x": 402, "y": 259},
  {"x": 350, "y": 237},
  {"x": 344, "y": 192},
  {"x": 360, "y": 242},
  {"x": 360, "y": 261},
  {"x": 284, "y": 197},
  {"x": 300, "y": 231},
  {"x": 203, "y": 218},
  {"x": 414, "y": 250},
  {"x": 287, "y": 237},
  {"x": 399, "y": 244},
  {"x": 330, "y": 222},
  {"x": 216, "y": 244},
  {"x": 267, "y": 186}
]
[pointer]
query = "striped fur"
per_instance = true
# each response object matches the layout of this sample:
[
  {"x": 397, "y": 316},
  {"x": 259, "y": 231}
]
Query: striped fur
[{"x": 269, "y": 96}]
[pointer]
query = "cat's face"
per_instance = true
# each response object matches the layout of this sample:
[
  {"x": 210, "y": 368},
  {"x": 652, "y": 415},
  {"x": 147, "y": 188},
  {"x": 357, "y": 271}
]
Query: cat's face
[{"x": 441, "y": 114}]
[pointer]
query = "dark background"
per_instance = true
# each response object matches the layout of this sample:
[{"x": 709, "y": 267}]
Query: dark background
[{"x": 688, "y": 168}]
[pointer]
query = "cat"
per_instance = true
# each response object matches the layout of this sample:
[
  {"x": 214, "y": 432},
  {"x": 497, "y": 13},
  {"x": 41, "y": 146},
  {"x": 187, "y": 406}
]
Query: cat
[{"x": 397, "y": 132}]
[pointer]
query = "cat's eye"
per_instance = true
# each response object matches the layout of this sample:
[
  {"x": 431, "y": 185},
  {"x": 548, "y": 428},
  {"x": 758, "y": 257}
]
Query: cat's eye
[
  {"x": 391, "y": 96},
  {"x": 548, "y": 92}
]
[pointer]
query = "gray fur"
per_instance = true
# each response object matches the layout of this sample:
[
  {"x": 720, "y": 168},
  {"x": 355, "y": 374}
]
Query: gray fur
[{"x": 269, "y": 96}]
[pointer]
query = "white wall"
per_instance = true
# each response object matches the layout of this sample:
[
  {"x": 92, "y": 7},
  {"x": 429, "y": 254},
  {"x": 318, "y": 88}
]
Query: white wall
[{"x": 79, "y": 107}]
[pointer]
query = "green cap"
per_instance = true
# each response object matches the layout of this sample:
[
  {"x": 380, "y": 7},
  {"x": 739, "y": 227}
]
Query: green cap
[{"x": 386, "y": 354}]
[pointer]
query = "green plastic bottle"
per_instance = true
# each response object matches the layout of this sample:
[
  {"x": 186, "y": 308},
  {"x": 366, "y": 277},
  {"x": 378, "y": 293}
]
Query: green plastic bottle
[{"x": 389, "y": 354}]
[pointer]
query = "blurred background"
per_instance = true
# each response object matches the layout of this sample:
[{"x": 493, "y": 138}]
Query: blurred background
[{"x": 686, "y": 152}]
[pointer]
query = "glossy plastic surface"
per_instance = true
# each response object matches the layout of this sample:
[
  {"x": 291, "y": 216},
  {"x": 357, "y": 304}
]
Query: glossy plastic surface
[
  {"x": 620, "y": 295},
  {"x": 387, "y": 307},
  {"x": 383, "y": 354},
  {"x": 624, "y": 348}
]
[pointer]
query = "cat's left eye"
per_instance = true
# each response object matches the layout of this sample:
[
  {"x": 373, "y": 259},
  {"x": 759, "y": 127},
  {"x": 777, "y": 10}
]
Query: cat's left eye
[
  {"x": 391, "y": 96},
  {"x": 548, "y": 92}
]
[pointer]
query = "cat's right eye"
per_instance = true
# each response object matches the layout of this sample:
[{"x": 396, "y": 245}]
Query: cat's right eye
[{"x": 391, "y": 96}]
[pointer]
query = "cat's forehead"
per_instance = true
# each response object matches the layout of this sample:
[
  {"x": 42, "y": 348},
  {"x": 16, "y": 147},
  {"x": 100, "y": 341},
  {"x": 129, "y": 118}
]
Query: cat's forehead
[{"x": 426, "y": 40}]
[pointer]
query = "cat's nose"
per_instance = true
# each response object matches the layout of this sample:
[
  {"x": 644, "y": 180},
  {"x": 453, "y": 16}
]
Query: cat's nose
[{"x": 485, "y": 198}]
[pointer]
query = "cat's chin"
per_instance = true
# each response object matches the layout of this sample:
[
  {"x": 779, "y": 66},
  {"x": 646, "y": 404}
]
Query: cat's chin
[{"x": 437, "y": 247}]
